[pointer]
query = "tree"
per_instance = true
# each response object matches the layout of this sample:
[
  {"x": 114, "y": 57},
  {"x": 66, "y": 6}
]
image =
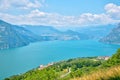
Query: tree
[{"x": 114, "y": 60}]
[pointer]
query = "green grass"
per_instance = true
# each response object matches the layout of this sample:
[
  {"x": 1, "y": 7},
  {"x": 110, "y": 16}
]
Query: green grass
[{"x": 112, "y": 73}]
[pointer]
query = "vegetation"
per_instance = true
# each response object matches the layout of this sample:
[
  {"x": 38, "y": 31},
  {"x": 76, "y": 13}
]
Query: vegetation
[
  {"x": 109, "y": 70},
  {"x": 114, "y": 60},
  {"x": 90, "y": 68},
  {"x": 112, "y": 73}
]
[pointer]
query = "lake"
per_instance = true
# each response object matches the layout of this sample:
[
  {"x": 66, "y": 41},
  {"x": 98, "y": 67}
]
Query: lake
[{"x": 19, "y": 60}]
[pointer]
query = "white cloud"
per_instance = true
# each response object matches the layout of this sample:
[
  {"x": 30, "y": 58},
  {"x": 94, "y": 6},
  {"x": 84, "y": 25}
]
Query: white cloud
[
  {"x": 20, "y": 4},
  {"x": 94, "y": 19},
  {"x": 37, "y": 17},
  {"x": 113, "y": 10}
]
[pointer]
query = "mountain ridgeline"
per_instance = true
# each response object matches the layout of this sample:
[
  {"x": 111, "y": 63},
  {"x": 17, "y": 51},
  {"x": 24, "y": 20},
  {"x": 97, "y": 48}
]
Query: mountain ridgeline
[
  {"x": 49, "y": 33},
  {"x": 96, "y": 32},
  {"x": 12, "y": 36},
  {"x": 113, "y": 37},
  {"x": 79, "y": 33}
]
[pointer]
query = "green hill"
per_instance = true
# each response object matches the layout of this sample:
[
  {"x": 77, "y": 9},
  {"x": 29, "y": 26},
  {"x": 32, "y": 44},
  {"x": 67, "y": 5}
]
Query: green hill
[
  {"x": 109, "y": 70},
  {"x": 112, "y": 73},
  {"x": 76, "y": 69}
]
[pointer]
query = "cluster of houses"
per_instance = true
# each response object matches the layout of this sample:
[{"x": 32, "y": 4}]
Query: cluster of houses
[
  {"x": 45, "y": 66},
  {"x": 103, "y": 57}
]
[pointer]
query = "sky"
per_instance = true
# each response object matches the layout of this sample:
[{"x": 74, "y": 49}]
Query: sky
[{"x": 60, "y": 13}]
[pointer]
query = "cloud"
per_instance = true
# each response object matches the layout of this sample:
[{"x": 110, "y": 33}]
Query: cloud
[
  {"x": 20, "y": 4},
  {"x": 37, "y": 17},
  {"x": 113, "y": 10}
]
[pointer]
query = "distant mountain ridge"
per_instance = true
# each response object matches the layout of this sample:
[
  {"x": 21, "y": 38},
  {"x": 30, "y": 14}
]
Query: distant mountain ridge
[
  {"x": 40, "y": 29},
  {"x": 113, "y": 37},
  {"x": 12, "y": 36},
  {"x": 96, "y": 32},
  {"x": 51, "y": 33}
]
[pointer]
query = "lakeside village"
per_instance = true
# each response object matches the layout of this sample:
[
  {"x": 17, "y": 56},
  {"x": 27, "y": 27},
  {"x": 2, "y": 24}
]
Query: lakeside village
[
  {"x": 50, "y": 64},
  {"x": 45, "y": 66}
]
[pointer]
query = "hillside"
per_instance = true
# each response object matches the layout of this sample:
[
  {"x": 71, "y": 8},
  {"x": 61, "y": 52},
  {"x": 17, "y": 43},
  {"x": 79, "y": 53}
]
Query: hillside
[
  {"x": 12, "y": 36},
  {"x": 113, "y": 37},
  {"x": 61, "y": 70},
  {"x": 76, "y": 69},
  {"x": 109, "y": 70},
  {"x": 103, "y": 74}
]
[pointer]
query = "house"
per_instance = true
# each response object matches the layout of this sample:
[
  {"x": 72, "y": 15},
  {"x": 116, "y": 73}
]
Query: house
[
  {"x": 45, "y": 66},
  {"x": 103, "y": 57}
]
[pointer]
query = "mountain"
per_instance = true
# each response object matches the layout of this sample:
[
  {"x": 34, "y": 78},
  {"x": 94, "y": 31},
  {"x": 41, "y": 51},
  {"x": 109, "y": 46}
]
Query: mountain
[
  {"x": 50, "y": 33},
  {"x": 41, "y": 30},
  {"x": 113, "y": 37},
  {"x": 81, "y": 36},
  {"x": 95, "y": 32},
  {"x": 12, "y": 36}
]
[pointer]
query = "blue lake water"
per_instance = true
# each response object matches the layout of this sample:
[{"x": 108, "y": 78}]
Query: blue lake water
[{"x": 19, "y": 60}]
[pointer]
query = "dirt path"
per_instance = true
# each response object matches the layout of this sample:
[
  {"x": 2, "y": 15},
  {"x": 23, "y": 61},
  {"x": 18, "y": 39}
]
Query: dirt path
[{"x": 69, "y": 71}]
